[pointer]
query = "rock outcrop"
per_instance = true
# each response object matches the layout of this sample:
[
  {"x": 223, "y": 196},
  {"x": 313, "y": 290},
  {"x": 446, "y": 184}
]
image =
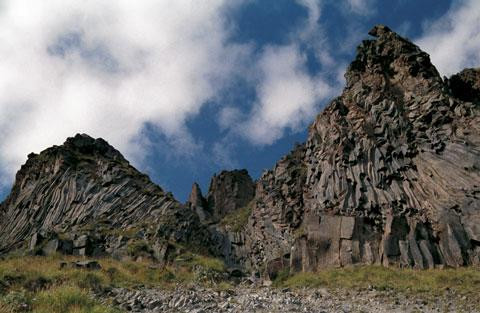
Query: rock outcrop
[
  {"x": 229, "y": 191},
  {"x": 84, "y": 198},
  {"x": 390, "y": 173},
  {"x": 229, "y": 199}
]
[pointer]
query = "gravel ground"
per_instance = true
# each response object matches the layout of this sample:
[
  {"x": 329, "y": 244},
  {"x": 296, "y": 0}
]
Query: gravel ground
[{"x": 249, "y": 299}]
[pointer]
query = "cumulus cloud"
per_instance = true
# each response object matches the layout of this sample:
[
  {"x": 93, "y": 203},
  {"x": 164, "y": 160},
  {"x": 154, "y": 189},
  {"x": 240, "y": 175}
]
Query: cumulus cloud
[
  {"x": 453, "y": 40},
  {"x": 362, "y": 7},
  {"x": 287, "y": 96},
  {"x": 106, "y": 68},
  {"x": 109, "y": 68}
]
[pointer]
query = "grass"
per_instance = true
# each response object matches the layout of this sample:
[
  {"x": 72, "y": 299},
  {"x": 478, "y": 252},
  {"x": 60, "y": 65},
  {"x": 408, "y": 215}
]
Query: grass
[
  {"x": 191, "y": 260},
  {"x": 434, "y": 282},
  {"x": 237, "y": 220},
  {"x": 68, "y": 299},
  {"x": 37, "y": 284},
  {"x": 139, "y": 248}
]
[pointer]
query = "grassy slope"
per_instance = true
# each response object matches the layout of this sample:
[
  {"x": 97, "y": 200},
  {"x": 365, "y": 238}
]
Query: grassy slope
[
  {"x": 37, "y": 284},
  {"x": 464, "y": 281}
]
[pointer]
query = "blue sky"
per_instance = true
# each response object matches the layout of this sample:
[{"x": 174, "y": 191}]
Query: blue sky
[{"x": 186, "y": 90}]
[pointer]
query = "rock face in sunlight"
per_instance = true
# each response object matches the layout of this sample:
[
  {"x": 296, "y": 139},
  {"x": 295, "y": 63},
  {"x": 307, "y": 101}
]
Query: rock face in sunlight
[
  {"x": 84, "y": 198},
  {"x": 389, "y": 174}
]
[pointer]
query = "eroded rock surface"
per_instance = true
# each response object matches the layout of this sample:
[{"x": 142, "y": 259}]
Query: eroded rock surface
[
  {"x": 251, "y": 299},
  {"x": 390, "y": 173},
  {"x": 229, "y": 191},
  {"x": 84, "y": 198}
]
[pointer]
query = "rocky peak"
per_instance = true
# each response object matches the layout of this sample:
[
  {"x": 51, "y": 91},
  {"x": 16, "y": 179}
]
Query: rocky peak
[
  {"x": 86, "y": 189},
  {"x": 229, "y": 191},
  {"x": 83, "y": 143},
  {"x": 196, "y": 196},
  {"x": 387, "y": 173},
  {"x": 390, "y": 59},
  {"x": 199, "y": 204},
  {"x": 466, "y": 85}
]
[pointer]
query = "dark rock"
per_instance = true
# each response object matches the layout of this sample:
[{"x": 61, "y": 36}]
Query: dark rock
[
  {"x": 466, "y": 85},
  {"x": 389, "y": 174},
  {"x": 37, "y": 238},
  {"x": 229, "y": 191},
  {"x": 235, "y": 272},
  {"x": 86, "y": 187},
  {"x": 89, "y": 265},
  {"x": 54, "y": 246},
  {"x": 199, "y": 204}
]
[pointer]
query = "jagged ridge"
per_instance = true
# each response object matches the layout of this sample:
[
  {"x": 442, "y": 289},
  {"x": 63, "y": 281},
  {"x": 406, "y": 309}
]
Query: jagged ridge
[
  {"x": 86, "y": 187},
  {"x": 390, "y": 172}
]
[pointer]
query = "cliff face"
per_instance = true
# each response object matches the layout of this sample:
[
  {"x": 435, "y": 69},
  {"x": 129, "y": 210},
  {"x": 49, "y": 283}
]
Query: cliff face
[
  {"x": 390, "y": 173},
  {"x": 86, "y": 189},
  {"x": 228, "y": 200}
]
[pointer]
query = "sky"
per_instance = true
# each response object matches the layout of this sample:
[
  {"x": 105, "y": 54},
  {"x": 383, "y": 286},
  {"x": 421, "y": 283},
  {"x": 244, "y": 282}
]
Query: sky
[{"x": 185, "y": 89}]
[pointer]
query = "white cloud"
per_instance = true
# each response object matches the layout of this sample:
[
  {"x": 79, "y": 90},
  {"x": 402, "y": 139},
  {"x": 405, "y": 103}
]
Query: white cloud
[
  {"x": 288, "y": 97},
  {"x": 106, "y": 68},
  {"x": 453, "y": 41},
  {"x": 229, "y": 116},
  {"x": 109, "y": 67},
  {"x": 362, "y": 7}
]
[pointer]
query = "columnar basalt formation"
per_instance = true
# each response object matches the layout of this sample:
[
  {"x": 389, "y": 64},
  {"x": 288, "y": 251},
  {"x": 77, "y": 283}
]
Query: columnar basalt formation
[
  {"x": 229, "y": 191},
  {"x": 390, "y": 173},
  {"x": 83, "y": 197}
]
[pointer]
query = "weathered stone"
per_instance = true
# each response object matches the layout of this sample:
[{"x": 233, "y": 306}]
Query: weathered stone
[
  {"x": 199, "y": 204},
  {"x": 51, "y": 247},
  {"x": 81, "y": 242},
  {"x": 389, "y": 173},
  {"x": 348, "y": 226},
  {"x": 229, "y": 191},
  {"x": 89, "y": 265},
  {"x": 85, "y": 184},
  {"x": 35, "y": 241}
]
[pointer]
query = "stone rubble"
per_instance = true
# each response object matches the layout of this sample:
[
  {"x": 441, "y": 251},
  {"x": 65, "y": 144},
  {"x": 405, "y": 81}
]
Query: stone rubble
[{"x": 270, "y": 300}]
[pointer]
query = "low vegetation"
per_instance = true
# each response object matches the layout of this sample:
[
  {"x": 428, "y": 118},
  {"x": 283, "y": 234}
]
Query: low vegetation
[
  {"x": 38, "y": 284},
  {"x": 435, "y": 282},
  {"x": 237, "y": 220}
]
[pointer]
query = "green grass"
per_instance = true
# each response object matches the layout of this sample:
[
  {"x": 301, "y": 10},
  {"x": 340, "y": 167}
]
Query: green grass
[
  {"x": 191, "y": 260},
  {"x": 237, "y": 220},
  {"x": 23, "y": 279},
  {"x": 464, "y": 281},
  {"x": 137, "y": 248},
  {"x": 65, "y": 299}
]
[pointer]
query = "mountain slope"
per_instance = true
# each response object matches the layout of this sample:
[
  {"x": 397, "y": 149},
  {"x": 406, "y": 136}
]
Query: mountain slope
[
  {"x": 86, "y": 188},
  {"x": 390, "y": 172}
]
